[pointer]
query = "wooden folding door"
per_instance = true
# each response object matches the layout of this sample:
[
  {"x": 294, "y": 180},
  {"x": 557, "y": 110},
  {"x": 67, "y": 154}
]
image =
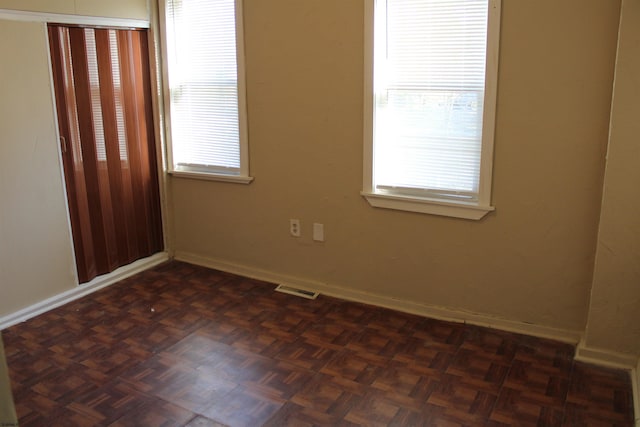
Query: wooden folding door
[{"x": 103, "y": 99}]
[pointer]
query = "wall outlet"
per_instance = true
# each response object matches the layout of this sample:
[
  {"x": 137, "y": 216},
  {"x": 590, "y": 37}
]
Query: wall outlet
[{"x": 294, "y": 227}]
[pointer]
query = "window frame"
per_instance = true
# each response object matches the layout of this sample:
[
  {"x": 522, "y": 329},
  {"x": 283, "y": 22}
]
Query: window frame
[
  {"x": 200, "y": 172},
  {"x": 427, "y": 205}
]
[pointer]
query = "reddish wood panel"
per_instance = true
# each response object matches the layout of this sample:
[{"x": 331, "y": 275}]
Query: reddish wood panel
[
  {"x": 103, "y": 99},
  {"x": 181, "y": 345}
]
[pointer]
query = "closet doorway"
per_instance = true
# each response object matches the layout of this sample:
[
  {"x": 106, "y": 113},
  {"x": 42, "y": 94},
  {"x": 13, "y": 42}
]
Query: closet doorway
[{"x": 103, "y": 100}]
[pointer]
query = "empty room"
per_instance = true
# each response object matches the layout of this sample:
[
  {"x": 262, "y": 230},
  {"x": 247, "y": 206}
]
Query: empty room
[{"x": 319, "y": 212}]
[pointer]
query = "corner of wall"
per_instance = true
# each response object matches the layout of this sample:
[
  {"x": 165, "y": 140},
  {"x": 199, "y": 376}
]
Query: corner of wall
[
  {"x": 81, "y": 291},
  {"x": 603, "y": 357}
]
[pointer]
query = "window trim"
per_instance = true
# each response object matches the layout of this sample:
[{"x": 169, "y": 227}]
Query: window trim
[
  {"x": 458, "y": 209},
  {"x": 197, "y": 173}
]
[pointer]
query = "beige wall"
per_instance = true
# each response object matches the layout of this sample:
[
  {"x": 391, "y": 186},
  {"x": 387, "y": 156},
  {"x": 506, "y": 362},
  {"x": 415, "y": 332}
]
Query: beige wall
[
  {"x": 36, "y": 256},
  {"x": 614, "y": 315},
  {"x": 132, "y": 9},
  {"x": 530, "y": 261}
]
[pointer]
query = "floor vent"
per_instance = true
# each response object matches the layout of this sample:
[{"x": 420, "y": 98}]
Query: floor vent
[{"x": 297, "y": 292}]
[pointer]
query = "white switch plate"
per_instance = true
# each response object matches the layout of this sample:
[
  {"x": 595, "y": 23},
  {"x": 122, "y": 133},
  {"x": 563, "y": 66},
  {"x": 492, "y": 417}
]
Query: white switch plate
[{"x": 318, "y": 232}]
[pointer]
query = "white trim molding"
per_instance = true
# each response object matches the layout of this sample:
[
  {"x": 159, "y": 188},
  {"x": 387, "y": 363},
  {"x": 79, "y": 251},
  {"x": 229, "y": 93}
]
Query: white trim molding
[
  {"x": 82, "y": 290},
  {"x": 611, "y": 359},
  {"x": 427, "y": 206},
  {"x": 206, "y": 176},
  {"x": 26, "y": 16},
  {"x": 430, "y": 311},
  {"x": 602, "y": 357},
  {"x": 635, "y": 384}
]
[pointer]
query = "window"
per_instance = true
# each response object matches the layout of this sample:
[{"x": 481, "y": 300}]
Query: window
[
  {"x": 206, "y": 107},
  {"x": 431, "y": 72}
]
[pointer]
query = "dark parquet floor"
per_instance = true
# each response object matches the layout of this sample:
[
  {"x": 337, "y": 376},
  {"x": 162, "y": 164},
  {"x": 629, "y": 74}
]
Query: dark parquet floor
[{"x": 181, "y": 345}]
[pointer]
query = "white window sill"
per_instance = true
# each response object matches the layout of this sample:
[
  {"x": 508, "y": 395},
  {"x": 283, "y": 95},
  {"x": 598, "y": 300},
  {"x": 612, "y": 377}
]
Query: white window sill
[
  {"x": 206, "y": 176},
  {"x": 428, "y": 206}
]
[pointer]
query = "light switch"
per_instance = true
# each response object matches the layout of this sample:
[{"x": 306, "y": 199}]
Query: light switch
[{"x": 318, "y": 232}]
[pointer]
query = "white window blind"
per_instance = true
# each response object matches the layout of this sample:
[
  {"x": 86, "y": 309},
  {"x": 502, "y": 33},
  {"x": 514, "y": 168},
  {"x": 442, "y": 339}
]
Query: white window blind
[
  {"x": 203, "y": 86},
  {"x": 429, "y": 89}
]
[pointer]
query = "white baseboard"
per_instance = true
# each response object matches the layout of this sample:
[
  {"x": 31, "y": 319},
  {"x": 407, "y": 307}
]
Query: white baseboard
[
  {"x": 434, "y": 312},
  {"x": 583, "y": 353},
  {"x": 607, "y": 358},
  {"x": 635, "y": 383},
  {"x": 23, "y": 15},
  {"x": 610, "y": 359},
  {"x": 82, "y": 290}
]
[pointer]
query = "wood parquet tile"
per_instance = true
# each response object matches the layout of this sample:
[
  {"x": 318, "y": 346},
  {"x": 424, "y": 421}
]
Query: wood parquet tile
[{"x": 181, "y": 345}]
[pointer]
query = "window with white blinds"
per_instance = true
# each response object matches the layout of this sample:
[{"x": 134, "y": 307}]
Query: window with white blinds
[
  {"x": 206, "y": 87},
  {"x": 432, "y": 103}
]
